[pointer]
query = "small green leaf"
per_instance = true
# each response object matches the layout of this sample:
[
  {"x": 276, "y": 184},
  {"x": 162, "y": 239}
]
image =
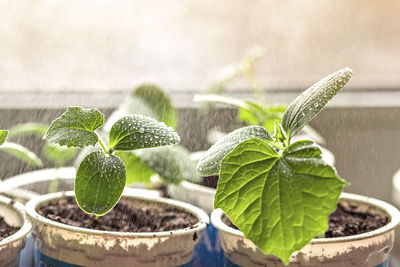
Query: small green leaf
[
  {"x": 307, "y": 105},
  {"x": 137, "y": 131},
  {"x": 279, "y": 135},
  {"x": 148, "y": 100},
  {"x": 210, "y": 163},
  {"x": 136, "y": 170},
  {"x": 279, "y": 201},
  {"x": 59, "y": 155},
  {"x": 28, "y": 128},
  {"x": 159, "y": 101},
  {"x": 75, "y": 127},
  {"x": 21, "y": 153},
  {"x": 99, "y": 183},
  {"x": 3, "y": 136},
  {"x": 255, "y": 114},
  {"x": 248, "y": 111},
  {"x": 172, "y": 163}
]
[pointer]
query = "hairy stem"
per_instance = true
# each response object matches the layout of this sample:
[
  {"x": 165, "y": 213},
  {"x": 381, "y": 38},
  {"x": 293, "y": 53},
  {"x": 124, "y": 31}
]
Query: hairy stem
[{"x": 102, "y": 143}]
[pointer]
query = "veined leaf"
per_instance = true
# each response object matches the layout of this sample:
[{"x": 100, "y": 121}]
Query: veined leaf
[
  {"x": 75, "y": 127},
  {"x": 99, "y": 183},
  {"x": 3, "y": 136},
  {"x": 210, "y": 163},
  {"x": 172, "y": 163},
  {"x": 28, "y": 128},
  {"x": 307, "y": 105},
  {"x": 137, "y": 131},
  {"x": 279, "y": 201},
  {"x": 136, "y": 170},
  {"x": 21, "y": 153}
]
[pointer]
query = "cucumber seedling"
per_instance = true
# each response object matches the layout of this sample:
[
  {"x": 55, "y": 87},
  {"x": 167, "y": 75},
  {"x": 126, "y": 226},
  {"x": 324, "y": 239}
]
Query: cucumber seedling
[
  {"x": 101, "y": 176},
  {"x": 279, "y": 194}
]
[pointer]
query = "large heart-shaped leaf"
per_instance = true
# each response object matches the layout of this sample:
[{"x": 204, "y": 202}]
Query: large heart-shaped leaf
[
  {"x": 75, "y": 127},
  {"x": 210, "y": 163},
  {"x": 99, "y": 183},
  {"x": 279, "y": 201},
  {"x": 137, "y": 131},
  {"x": 307, "y": 105}
]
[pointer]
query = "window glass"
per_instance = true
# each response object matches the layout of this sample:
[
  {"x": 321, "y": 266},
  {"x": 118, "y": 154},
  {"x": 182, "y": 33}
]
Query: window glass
[{"x": 183, "y": 45}]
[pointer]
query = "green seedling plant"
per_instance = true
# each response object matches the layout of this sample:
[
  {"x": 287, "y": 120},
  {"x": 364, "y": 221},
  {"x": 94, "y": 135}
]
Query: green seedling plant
[
  {"x": 249, "y": 112},
  {"x": 278, "y": 193},
  {"x": 18, "y": 150},
  {"x": 101, "y": 175},
  {"x": 169, "y": 163}
]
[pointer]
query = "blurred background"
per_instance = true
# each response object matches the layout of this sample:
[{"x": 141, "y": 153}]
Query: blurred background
[{"x": 59, "y": 53}]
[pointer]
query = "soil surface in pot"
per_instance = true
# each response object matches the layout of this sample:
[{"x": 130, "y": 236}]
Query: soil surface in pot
[
  {"x": 6, "y": 230},
  {"x": 122, "y": 218},
  {"x": 210, "y": 181},
  {"x": 345, "y": 221}
]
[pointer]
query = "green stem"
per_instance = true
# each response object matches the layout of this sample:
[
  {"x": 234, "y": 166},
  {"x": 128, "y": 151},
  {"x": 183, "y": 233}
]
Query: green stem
[
  {"x": 287, "y": 138},
  {"x": 102, "y": 143}
]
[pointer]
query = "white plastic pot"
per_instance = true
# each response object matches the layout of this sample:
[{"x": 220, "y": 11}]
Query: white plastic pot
[
  {"x": 363, "y": 250},
  {"x": 58, "y": 243},
  {"x": 24, "y": 187},
  {"x": 208, "y": 252},
  {"x": 396, "y": 188},
  {"x": 14, "y": 215},
  {"x": 195, "y": 194},
  {"x": 28, "y": 185}
]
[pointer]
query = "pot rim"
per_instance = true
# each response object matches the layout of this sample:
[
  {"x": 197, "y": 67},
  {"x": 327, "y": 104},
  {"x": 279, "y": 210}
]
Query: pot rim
[
  {"x": 392, "y": 212},
  {"x": 26, "y": 226},
  {"x": 396, "y": 180},
  {"x": 36, "y": 217},
  {"x": 27, "y": 178},
  {"x": 198, "y": 187}
]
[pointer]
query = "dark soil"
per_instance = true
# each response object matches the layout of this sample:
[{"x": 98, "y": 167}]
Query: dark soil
[
  {"x": 6, "y": 230},
  {"x": 345, "y": 221},
  {"x": 348, "y": 221},
  {"x": 120, "y": 219},
  {"x": 210, "y": 181}
]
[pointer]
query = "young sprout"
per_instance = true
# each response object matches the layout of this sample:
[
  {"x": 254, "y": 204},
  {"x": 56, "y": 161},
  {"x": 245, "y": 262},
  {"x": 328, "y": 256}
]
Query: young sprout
[
  {"x": 18, "y": 151},
  {"x": 279, "y": 194},
  {"x": 101, "y": 176}
]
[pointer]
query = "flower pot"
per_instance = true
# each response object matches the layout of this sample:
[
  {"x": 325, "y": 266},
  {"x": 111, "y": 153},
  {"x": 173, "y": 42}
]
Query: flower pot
[
  {"x": 208, "y": 252},
  {"x": 24, "y": 187},
  {"x": 58, "y": 243},
  {"x": 367, "y": 249},
  {"x": 14, "y": 215}
]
